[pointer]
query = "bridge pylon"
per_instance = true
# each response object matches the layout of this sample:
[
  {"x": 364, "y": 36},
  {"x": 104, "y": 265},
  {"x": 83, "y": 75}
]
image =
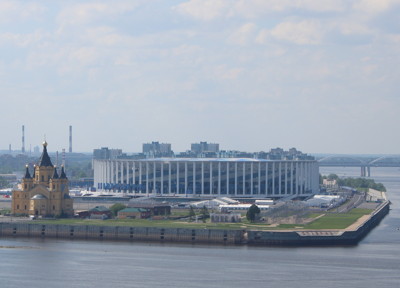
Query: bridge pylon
[{"x": 365, "y": 171}]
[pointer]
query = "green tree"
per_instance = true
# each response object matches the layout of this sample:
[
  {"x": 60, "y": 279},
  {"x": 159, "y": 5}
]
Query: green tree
[
  {"x": 117, "y": 207},
  {"x": 204, "y": 213},
  {"x": 252, "y": 213},
  {"x": 3, "y": 182},
  {"x": 333, "y": 176},
  {"x": 191, "y": 213}
]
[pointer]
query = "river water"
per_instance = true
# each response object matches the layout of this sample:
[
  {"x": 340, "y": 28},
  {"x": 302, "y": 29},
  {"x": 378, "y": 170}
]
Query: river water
[{"x": 374, "y": 262}]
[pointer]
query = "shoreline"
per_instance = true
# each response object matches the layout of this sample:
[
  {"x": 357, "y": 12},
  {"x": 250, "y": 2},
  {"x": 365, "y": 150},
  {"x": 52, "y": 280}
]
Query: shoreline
[{"x": 290, "y": 237}]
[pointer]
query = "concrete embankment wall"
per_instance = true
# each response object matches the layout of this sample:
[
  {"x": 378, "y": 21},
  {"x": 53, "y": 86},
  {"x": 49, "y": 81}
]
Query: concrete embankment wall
[
  {"x": 120, "y": 233},
  {"x": 182, "y": 235},
  {"x": 319, "y": 237}
]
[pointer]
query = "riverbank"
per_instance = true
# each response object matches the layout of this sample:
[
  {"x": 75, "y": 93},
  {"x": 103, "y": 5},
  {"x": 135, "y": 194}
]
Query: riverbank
[{"x": 351, "y": 235}]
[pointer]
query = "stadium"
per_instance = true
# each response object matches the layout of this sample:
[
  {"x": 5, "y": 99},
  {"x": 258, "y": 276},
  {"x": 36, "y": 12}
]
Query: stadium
[{"x": 207, "y": 177}]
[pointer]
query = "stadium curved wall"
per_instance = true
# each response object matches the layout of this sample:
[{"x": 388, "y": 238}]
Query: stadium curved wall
[{"x": 207, "y": 177}]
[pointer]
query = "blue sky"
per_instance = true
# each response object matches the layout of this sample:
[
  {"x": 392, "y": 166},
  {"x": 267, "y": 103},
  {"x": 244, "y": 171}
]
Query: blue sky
[{"x": 321, "y": 76}]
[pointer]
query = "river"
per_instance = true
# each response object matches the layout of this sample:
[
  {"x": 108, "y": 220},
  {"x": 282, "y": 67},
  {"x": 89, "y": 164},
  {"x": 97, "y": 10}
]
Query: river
[{"x": 374, "y": 262}]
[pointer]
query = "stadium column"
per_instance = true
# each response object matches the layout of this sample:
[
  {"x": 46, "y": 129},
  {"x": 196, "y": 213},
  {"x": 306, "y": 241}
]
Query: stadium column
[
  {"x": 121, "y": 164},
  {"x": 194, "y": 177},
  {"x": 104, "y": 180},
  {"x": 219, "y": 178},
  {"x": 116, "y": 173},
  {"x": 286, "y": 178},
  {"x": 211, "y": 178},
  {"x": 177, "y": 177},
  {"x": 147, "y": 178},
  {"x": 97, "y": 175},
  {"x": 236, "y": 177},
  {"x": 106, "y": 172},
  {"x": 134, "y": 176},
  {"x": 316, "y": 175},
  {"x": 307, "y": 174},
  {"x": 112, "y": 173},
  {"x": 251, "y": 178},
  {"x": 169, "y": 177},
  {"x": 186, "y": 177},
  {"x": 127, "y": 175},
  {"x": 154, "y": 177},
  {"x": 280, "y": 178},
  {"x": 259, "y": 178},
  {"x": 291, "y": 178},
  {"x": 202, "y": 178},
  {"x": 162, "y": 178},
  {"x": 302, "y": 177},
  {"x": 227, "y": 177},
  {"x": 273, "y": 178},
  {"x": 310, "y": 175},
  {"x": 140, "y": 176},
  {"x": 266, "y": 178},
  {"x": 244, "y": 178}
]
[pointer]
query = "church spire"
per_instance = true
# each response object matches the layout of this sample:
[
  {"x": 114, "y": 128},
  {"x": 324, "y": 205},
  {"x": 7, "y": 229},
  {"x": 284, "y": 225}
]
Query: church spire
[
  {"x": 27, "y": 174},
  {"x": 55, "y": 174},
  {"x": 44, "y": 160},
  {"x": 63, "y": 176}
]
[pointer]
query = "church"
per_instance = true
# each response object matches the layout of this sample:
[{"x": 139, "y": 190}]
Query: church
[{"x": 45, "y": 193}]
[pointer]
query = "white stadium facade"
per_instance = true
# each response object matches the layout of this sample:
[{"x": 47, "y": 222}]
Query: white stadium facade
[{"x": 207, "y": 177}]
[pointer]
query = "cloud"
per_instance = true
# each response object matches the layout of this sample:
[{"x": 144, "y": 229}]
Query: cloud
[
  {"x": 207, "y": 10},
  {"x": 307, "y": 32},
  {"x": 244, "y": 34},
  {"x": 82, "y": 13},
  {"x": 374, "y": 6},
  {"x": 10, "y": 11},
  {"x": 204, "y": 10}
]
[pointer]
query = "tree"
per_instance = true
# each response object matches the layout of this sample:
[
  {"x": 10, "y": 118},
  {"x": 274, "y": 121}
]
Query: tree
[
  {"x": 191, "y": 213},
  {"x": 204, "y": 213},
  {"x": 252, "y": 213},
  {"x": 3, "y": 182},
  {"x": 333, "y": 176},
  {"x": 117, "y": 207}
]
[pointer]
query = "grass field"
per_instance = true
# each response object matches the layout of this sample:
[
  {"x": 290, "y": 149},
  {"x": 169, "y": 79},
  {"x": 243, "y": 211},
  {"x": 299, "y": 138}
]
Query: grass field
[
  {"x": 338, "y": 220},
  {"x": 328, "y": 221}
]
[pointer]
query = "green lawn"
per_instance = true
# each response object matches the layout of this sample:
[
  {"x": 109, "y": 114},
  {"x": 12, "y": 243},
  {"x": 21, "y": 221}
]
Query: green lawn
[
  {"x": 329, "y": 221},
  {"x": 337, "y": 220}
]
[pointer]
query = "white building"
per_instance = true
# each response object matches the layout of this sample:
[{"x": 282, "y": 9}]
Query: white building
[{"x": 213, "y": 177}]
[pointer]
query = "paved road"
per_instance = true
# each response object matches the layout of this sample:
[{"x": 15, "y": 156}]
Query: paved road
[{"x": 355, "y": 201}]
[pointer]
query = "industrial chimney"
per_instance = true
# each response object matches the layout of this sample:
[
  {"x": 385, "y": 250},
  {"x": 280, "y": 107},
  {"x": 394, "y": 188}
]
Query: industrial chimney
[
  {"x": 70, "y": 139},
  {"x": 23, "y": 139}
]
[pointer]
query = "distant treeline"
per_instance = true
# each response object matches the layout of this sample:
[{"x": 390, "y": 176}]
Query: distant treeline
[
  {"x": 356, "y": 182},
  {"x": 76, "y": 169}
]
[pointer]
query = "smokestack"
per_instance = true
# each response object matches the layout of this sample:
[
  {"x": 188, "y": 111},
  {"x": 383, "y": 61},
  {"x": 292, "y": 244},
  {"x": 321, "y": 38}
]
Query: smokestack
[
  {"x": 23, "y": 139},
  {"x": 63, "y": 158},
  {"x": 70, "y": 139}
]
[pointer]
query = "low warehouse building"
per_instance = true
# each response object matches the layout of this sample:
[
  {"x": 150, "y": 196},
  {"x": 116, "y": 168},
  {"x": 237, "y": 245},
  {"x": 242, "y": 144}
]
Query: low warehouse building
[{"x": 134, "y": 213}]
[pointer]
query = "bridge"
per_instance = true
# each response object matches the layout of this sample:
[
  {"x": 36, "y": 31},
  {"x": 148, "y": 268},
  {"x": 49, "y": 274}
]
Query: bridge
[{"x": 364, "y": 162}]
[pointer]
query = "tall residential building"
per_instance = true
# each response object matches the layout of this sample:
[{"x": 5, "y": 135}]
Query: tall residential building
[
  {"x": 204, "y": 147},
  {"x": 106, "y": 154},
  {"x": 156, "y": 149}
]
